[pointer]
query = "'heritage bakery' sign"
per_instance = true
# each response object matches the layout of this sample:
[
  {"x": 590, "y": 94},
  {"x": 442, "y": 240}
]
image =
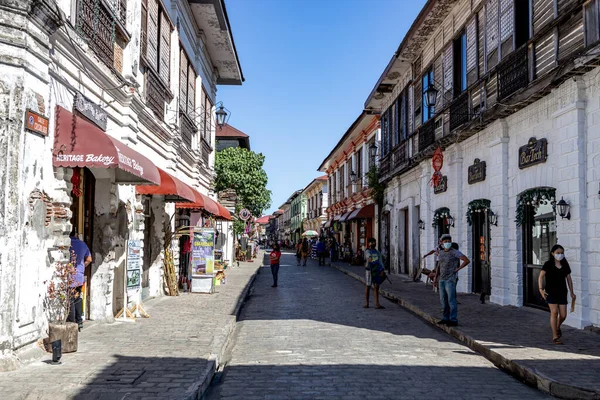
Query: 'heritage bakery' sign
[
  {"x": 476, "y": 172},
  {"x": 91, "y": 111},
  {"x": 534, "y": 152},
  {"x": 442, "y": 186}
]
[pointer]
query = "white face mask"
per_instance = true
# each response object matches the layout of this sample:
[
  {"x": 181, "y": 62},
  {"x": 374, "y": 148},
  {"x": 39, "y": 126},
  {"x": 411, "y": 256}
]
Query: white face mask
[
  {"x": 447, "y": 245},
  {"x": 559, "y": 257}
]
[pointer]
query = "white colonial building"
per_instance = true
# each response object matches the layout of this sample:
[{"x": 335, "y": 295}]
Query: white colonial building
[
  {"x": 108, "y": 128},
  {"x": 516, "y": 89}
]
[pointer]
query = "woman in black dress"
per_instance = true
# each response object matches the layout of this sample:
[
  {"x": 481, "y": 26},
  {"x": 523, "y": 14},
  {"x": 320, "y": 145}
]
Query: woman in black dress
[{"x": 558, "y": 275}]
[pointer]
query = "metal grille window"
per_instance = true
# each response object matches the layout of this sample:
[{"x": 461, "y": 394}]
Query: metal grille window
[
  {"x": 492, "y": 26},
  {"x": 207, "y": 123},
  {"x": 96, "y": 25},
  {"x": 187, "y": 97}
]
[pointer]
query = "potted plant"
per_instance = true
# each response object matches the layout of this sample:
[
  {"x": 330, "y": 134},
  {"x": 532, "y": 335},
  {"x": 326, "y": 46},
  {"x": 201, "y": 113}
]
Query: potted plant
[{"x": 58, "y": 304}]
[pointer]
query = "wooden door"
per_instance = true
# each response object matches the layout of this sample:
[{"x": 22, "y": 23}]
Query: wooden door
[{"x": 481, "y": 254}]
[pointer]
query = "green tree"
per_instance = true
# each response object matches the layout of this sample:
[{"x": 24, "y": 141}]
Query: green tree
[{"x": 241, "y": 169}]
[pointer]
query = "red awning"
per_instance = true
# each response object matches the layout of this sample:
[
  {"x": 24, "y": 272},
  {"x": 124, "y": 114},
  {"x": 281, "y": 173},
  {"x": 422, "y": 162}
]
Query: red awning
[
  {"x": 79, "y": 143},
  {"x": 224, "y": 213},
  {"x": 362, "y": 213},
  {"x": 197, "y": 203},
  {"x": 344, "y": 217},
  {"x": 211, "y": 206},
  {"x": 172, "y": 188}
]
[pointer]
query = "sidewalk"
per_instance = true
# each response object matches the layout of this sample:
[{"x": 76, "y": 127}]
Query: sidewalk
[
  {"x": 172, "y": 354},
  {"x": 516, "y": 339}
]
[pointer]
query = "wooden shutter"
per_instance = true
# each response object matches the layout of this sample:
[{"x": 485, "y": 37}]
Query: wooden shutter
[
  {"x": 492, "y": 33},
  {"x": 152, "y": 35},
  {"x": 437, "y": 73},
  {"x": 481, "y": 37},
  {"x": 394, "y": 124},
  {"x": 507, "y": 17},
  {"x": 571, "y": 36},
  {"x": 448, "y": 71},
  {"x": 183, "y": 78},
  {"x": 418, "y": 101},
  {"x": 191, "y": 90},
  {"x": 411, "y": 107},
  {"x": 544, "y": 54},
  {"x": 144, "y": 32},
  {"x": 543, "y": 14},
  {"x": 164, "y": 48}
]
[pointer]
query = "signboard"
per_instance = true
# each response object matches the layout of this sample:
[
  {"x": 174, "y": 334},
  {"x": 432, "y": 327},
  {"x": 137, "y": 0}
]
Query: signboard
[
  {"x": 476, "y": 172},
  {"x": 134, "y": 260},
  {"x": 37, "y": 123},
  {"x": 534, "y": 152},
  {"x": 203, "y": 247},
  {"x": 442, "y": 186},
  {"x": 245, "y": 214},
  {"x": 91, "y": 111}
]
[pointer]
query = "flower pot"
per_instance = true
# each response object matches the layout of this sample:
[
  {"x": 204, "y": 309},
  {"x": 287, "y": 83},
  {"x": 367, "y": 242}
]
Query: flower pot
[{"x": 67, "y": 333}]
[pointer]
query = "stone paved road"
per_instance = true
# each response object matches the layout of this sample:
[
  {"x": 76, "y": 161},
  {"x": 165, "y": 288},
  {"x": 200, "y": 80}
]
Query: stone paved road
[{"x": 310, "y": 338}]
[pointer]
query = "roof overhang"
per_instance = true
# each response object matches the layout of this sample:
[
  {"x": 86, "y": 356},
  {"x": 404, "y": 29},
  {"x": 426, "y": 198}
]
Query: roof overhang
[
  {"x": 211, "y": 18},
  {"x": 430, "y": 18},
  {"x": 361, "y": 123}
]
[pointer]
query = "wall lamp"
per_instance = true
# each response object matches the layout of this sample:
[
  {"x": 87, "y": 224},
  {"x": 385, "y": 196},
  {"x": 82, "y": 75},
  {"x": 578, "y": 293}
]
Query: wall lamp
[
  {"x": 223, "y": 115},
  {"x": 493, "y": 218},
  {"x": 563, "y": 209},
  {"x": 421, "y": 225}
]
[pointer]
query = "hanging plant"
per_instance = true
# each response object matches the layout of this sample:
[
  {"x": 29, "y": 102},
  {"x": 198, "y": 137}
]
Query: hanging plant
[
  {"x": 534, "y": 197},
  {"x": 378, "y": 188},
  {"x": 479, "y": 205},
  {"x": 440, "y": 215}
]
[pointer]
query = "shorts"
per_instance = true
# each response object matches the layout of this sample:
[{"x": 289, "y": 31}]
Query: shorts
[
  {"x": 369, "y": 278},
  {"x": 560, "y": 299}
]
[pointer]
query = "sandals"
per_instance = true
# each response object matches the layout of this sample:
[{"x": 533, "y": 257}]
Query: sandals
[{"x": 557, "y": 340}]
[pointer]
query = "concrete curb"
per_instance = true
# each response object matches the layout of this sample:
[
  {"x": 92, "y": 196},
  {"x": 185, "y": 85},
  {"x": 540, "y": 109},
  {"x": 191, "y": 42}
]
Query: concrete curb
[
  {"x": 529, "y": 376},
  {"x": 197, "y": 391}
]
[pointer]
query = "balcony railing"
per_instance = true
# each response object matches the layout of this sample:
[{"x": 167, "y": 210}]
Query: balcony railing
[
  {"x": 96, "y": 25},
  {"x": 459, "y": 111},
  {"x": 513, "y": 73},
  {"x": 384, "y": 166},
  {"x": 400, "y": 154},
  {"x": 426, "y": 135},
  {"x": 157, "y": 94}
]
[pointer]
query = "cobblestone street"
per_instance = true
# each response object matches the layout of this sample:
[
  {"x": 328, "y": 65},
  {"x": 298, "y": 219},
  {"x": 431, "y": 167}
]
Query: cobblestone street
[{"x": 310, "y": 338}]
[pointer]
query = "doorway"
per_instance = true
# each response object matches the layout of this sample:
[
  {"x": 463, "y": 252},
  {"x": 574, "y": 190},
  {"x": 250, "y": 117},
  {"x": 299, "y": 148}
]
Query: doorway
[
  {"x": 537, "y": 214},
  {"x": 480, "y": 242},
  {"x": 405, "y": 244},
  {"x": 441, "y": 223},
  {"x": 385, "y": 243}
]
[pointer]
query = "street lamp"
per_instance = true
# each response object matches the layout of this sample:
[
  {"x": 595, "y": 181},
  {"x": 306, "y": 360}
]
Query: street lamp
[
  {"x": 493, "y": 218},
  {"x": 352, "y": 176},
  {"x": 222, "y": 115},
  {"x": 431, "y": 95},
  {"x": 450, "y": 221},
  {"x": 421, "y": 225},
  {"x": 373, "y": 152},
  {"x": 563, "y": 209}
]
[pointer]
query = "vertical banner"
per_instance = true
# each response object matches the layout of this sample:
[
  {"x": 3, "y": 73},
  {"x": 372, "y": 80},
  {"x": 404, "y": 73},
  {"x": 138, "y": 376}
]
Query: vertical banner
[
  {"x": 134, "y": 260},
  {"x": 203, "y": 247}
]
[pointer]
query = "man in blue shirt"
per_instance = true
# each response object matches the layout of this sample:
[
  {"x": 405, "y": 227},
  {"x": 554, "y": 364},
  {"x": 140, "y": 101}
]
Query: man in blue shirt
[
  {"x": 81, "y": 256},
  {"x": 321, "y": 251}
]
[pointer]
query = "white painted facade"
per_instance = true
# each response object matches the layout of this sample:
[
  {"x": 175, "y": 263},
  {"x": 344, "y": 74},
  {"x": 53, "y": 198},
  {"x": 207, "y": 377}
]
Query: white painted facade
[
  {"x": 46, "y": 64},
  {"x": 568, "y": 118}
]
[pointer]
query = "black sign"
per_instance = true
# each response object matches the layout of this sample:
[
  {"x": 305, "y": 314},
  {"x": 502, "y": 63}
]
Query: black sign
[
  {"x": 442, "y": 186},
  {"x": 91, "y": 111},
  {"x": 476, "y": 172},
  {"x": 534, "y": 152}
]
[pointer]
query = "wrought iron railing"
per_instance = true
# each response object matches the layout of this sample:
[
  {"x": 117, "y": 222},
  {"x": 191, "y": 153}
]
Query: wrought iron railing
[
  {"x": 122, "y": 12},
  {"x": 384, "y": 166},
  {"x": 400, "y": 154},
  {"x": 426, "y": 135},
  {"x": 513, "y": 73},
  {"x": 459, "y": 111}
]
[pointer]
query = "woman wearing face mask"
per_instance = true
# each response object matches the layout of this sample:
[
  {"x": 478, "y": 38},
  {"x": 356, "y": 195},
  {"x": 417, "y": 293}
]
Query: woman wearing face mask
[{"x": 558, "y": 275}]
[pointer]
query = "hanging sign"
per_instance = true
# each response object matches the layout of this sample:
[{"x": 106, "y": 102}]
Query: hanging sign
[
  {"x": 245, "y": 214},
  {"x": 476, "y": 172},
  {"x": 442, "y": 185},
  {"x": 203, "y": 247},
  {"x": 91, "y": 111},
  {"x": 134, "y": 259},
  {"x": 36, "y": 123},
  {"x": 534, "y": 152},
  {"x": 437, "y": 162}
]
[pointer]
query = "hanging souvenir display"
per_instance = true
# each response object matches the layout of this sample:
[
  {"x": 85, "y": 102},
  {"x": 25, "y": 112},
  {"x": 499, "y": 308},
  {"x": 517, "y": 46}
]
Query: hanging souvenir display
[
  {"x": 76, "y": 181},
  {"x": 437, "y": 162}
]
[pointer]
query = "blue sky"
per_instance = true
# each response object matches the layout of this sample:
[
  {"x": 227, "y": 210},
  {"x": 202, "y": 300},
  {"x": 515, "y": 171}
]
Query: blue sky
[{"x": 309, "y": 67}]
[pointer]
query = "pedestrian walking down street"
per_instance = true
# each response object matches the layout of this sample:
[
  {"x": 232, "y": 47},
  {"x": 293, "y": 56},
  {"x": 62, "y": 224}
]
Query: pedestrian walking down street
[
  {"x": 321, "y": 251},
  {"x": 275, "y": 256},
  {"x": 82, "y": 258},
  {"x": 446, "y": 276},
  {"x": 298, "y": 252},
  {"x": 304, "y": 251},
  {"x": 558, "y": 275},
  {"x": 373, "y": 258}
]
